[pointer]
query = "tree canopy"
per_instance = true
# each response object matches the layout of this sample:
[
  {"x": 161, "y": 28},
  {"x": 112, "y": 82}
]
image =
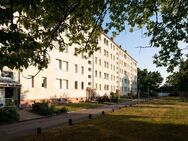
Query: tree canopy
[
  {"x": 179, "y": 80},
  {"x": 28, "y": 28},
  {"x": 148, "y": 82}
]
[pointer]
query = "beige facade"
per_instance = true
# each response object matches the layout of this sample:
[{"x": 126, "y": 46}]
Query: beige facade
[{"x": 68, "y": 76}]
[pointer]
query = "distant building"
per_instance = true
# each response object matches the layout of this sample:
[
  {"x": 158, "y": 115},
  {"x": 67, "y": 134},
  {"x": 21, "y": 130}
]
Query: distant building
[{"x": 70, "y": 77}]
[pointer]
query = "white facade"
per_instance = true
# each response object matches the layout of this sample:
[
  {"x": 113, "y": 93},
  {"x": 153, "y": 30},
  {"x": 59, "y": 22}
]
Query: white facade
[{"x": 67, "y": 76}]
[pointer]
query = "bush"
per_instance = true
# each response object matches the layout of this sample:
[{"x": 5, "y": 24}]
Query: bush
[
  {"x": 61, "y": 110},
  {"x": 102, "y": 99},
  {"x": 46, "y": 109},
  {"x": 42, "y": 108},
  {"x": 114, "y": 97},
  {"x": 8, "y": 114}
]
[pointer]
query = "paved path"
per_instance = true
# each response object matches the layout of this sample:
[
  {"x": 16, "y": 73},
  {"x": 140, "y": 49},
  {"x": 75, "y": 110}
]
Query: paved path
[
  {"x": 26, "y": 115},
  {"x": 17, "y": 130}
]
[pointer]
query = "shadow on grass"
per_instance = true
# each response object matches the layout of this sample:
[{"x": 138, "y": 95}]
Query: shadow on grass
[
  {"x": 155, "y": 107},
  {"x": 116, "y": 128}
]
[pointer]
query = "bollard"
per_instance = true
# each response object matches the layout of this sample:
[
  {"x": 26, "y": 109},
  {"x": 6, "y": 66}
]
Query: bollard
[
  {"x": 39, "y": 130},
  {"x": 102, "y": 112},
  {"x": 112, "y": 110},
  {"x": 90, "y": 116},
  {"x": 70, "y": 121},
  {"x": 119, "y": 107}
]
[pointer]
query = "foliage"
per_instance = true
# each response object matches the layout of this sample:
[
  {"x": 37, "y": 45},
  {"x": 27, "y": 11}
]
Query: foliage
[
  {"x": 148, "y": 82},
  {"x": 29, "y": 28},
  {"x": 102, "y": 99},
  {"x": 45, "y": 109},
  {"x": 179, "y": 80},
  {"x": 114, "y": 97},
  {"x": 8, "y": 114}
]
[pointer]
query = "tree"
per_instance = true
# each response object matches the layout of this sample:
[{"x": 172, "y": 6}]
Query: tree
[
  {"x": 148, "y": 82},
  {"x": 28, "y": 28},
  {"x": 179, "y": 80}
]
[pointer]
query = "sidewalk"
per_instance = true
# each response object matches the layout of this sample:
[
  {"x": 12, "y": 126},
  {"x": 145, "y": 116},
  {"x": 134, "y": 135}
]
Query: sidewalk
[
  {"x": 26, "y": 115},
  {"x": 17, "y": 130}
]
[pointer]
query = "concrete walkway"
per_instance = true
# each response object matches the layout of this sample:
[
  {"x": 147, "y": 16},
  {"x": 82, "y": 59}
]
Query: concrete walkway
[
  {"x": 20, "y": 129},
  {"x": 26, "y": 115}
]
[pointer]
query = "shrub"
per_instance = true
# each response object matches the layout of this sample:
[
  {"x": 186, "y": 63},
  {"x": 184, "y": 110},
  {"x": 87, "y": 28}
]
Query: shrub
[
  {"x": 8, "y": 114},
  {"x": 102, "y": 99},
  {"x": 61, "y": 110},
  {"x": 46, "y": 109},
  {"x": 42, "y": 108},
  {"x": 114, "y": 97}
]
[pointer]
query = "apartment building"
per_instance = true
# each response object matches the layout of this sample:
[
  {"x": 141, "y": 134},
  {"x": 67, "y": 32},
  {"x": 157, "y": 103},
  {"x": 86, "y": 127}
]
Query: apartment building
[{"x": 70, "y": 76}]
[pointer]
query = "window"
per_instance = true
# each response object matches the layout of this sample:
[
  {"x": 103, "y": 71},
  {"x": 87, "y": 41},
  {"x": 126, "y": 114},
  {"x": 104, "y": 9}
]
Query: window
[
  {"x": 99, "y": 86},
  {"x": 58, "y": 64},
  {"x": 44, "y": 82},
  {"x": 106, "y": 53},
  {"x": 59, "y": 83},
  {"x": 107, "y": 87},
  {"x": 65, "y": 66},
  {"x": 7, "y": 74},
  {"x": 100, "y": 74},
  {"x": 96, "y": 60},
  {"x": 82, "y": 69},
  {"x": 105, "y": 75},
  {"x": 89, "y": 76},
  {"x": 76, "y": 68},
  {"x": 75, "y": 51},
  {"x": 82, "y": 85},
  {"x": 65, "y": 84},
  {"x": 105, "y": 41},
  {"x": 76, "y": 84},
  {"x": 89, "y": 83},
  {"x": 100, "y": 62},
  {"x": 89, "y": 69},
  {"x": 95, "y": 73},
  {"x": 89, "y": 62}
]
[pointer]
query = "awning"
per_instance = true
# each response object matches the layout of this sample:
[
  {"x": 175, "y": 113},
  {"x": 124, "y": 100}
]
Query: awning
[{"x": 8, "y": 83}]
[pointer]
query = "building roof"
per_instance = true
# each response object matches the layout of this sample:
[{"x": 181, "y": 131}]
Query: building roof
[{"x": 4, "y": 82}]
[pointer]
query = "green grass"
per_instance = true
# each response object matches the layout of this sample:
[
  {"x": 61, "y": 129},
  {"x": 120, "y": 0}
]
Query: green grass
[
  {"x": 79, "y": 106},
  {"x": 123, "y": 99},
  {"x": 158, "y": 120}
]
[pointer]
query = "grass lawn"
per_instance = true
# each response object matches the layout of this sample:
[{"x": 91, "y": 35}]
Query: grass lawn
[
  {"x": 79, "y": 106},
  {"x": 158, "y": 120}
]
